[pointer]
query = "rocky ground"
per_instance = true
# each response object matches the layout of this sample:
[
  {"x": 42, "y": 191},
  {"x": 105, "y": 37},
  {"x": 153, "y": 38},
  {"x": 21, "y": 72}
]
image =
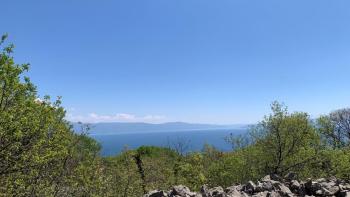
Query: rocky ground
[{"x": 269, "y": 186}]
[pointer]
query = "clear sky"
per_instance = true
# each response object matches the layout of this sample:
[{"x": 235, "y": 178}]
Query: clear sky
[{"x": 205, "y": 61}]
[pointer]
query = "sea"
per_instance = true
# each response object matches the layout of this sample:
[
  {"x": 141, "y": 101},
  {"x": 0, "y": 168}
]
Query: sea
[{"x": 194, "y": 140}]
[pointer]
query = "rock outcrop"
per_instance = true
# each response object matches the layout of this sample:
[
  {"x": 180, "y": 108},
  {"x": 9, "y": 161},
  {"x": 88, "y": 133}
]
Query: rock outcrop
[{"x": 269, "y": 186}]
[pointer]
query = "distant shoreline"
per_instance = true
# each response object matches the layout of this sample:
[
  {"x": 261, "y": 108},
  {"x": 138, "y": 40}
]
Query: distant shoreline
[{"x": 174, "y": 131}]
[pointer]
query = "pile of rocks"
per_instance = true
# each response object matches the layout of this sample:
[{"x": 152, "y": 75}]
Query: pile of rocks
[{"x": 269, "y": 186}]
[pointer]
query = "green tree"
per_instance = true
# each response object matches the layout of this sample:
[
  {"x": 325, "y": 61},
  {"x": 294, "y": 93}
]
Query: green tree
[
  {"x": 191, "y": 171},
  {"x": 155, "y": 166},
  {"x": 39, "y": 153},
  {"x": 287, "y": 141},
  {"x": 335, "y": 128},
  {"x": 33, "y": 133}
]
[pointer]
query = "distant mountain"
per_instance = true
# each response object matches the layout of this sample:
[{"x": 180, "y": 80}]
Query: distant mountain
[{"x": 122, "y": 127}]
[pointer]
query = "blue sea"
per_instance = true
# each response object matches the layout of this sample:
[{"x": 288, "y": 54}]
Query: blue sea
[{"x": 113, "y": 144}]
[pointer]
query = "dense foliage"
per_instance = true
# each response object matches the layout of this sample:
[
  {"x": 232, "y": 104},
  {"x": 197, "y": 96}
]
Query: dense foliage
[{"x": 41, "y": 155}]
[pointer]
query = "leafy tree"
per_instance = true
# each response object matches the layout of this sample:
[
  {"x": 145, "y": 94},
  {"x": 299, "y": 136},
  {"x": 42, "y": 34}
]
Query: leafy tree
[
  {"x": 335, "y": 128},
  {"x": 287, "y": 141},
  {"x": 39, "y": 153},
  {"x": 180, "y": 145},
  {"x": 155, "y": 166},
  {"x": 121, "y": 175},
  {"x": 33, "y": 133},
  {"x": 238, "y": 142},
  {"x": 191, "y": 171},
  {"x": 226, "y": 171}
]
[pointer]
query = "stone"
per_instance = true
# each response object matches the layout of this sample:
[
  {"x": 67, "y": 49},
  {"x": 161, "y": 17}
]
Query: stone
[
  {"x": 319, "y": 192},
  {"x": 312, "y": 186},
  {"x": 297, "y": 188},
  {"x": 295, "y": 185},
  {"x": 156, "y": 193},
  {"x": 344, "y": 194},
  {"x": 233, "y": 191},
  {"x": 216, "y": 192},
  {"x": 234, "y": 194},
  {"x": 331, "y": 190},
  {"x": 261, "y": 194},
  {"x": 274, "y": 194},
  {"x": 250, "y": 187},
  {"x": 204, "y": 191},
  {"x": 283, "y": 190},
  {"x": 267, "y": 178},
  {"x": 182, "y": 191},
  {"x": 275, "y": 177},
  {"x": 259, "y": 187},
  {"x": 344, "y": 186},
  {"x": 267, "y": 187},
  {"x": 291, "y": 176},
  {"x": 321, "y": 180}
]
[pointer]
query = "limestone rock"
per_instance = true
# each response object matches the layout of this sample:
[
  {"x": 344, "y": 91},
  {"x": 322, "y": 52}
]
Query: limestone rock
[{"x": 269, "y": 186}]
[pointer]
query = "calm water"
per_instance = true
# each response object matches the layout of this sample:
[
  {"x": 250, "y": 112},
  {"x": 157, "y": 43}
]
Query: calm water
[{"x": 114, "y": 144}]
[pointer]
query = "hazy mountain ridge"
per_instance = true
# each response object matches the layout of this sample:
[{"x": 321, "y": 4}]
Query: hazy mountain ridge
[{"x": 140, "y": 127}]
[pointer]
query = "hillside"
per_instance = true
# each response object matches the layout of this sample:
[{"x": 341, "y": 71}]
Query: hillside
[{"x": 41, "y": 155}]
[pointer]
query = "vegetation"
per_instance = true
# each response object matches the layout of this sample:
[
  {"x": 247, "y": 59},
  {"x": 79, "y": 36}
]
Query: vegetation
[{"x": 41, "y": 155}]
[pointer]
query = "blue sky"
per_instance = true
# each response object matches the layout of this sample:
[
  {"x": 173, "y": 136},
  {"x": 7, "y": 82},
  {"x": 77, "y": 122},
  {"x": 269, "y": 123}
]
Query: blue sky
[{"x": 200, "y": 61}]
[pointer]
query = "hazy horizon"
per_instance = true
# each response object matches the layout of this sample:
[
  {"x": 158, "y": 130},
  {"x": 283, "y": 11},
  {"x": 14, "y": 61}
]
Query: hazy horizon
[{"x": 158, "y": 123}]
